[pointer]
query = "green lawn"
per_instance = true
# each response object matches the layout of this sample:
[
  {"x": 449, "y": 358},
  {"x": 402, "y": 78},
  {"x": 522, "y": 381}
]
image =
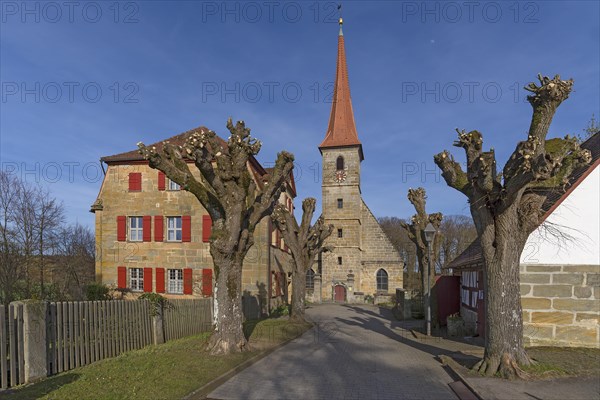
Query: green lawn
[{"x": 167, "y": 371}]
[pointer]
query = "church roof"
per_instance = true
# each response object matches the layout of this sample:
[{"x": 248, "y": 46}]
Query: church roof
[{"x": 341, "y": 131}]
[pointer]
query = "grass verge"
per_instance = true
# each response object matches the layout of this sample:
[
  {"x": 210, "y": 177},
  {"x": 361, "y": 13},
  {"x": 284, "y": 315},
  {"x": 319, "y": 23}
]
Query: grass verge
[
  {"x": 167, "y": 371},
  {"x": 564, "y": 361}
]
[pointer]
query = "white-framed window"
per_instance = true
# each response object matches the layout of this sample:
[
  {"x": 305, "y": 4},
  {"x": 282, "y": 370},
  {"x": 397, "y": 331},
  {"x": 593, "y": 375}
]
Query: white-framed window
[
  {"x": 175, "y": 281},
  {"x": 136, "y": 279},
  {"x": 136, "y": 229},
  {"x": 173, "y": 229},
  {"x": 172, "y": 185}
]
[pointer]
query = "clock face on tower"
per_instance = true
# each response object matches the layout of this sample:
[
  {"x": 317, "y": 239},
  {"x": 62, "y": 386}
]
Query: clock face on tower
[{"x": 340, "y": 176}]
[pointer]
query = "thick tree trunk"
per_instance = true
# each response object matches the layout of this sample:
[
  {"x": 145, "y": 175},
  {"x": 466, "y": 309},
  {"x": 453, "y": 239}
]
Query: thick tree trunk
[
  {"x": 298, "y": 295},
  {"x": 228, "y": 336},
  {"x": 504, "y": 350}
]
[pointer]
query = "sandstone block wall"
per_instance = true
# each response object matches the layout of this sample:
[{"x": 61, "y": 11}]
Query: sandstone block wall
[
  {"x": 561, "y": 305},
  {"x": 364, "y": 247}
]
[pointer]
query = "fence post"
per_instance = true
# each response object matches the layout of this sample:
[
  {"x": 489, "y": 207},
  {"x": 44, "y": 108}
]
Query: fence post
[
  {"x": 34, "y": 340},
  {"x": 317, "y": 288},
  {"x": 399, "y": 308},
  {"x": 158, "y": 331}
]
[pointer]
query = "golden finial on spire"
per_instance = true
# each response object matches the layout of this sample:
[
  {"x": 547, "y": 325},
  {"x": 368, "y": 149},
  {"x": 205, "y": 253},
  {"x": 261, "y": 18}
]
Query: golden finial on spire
[{"x": 340, "y": 21}]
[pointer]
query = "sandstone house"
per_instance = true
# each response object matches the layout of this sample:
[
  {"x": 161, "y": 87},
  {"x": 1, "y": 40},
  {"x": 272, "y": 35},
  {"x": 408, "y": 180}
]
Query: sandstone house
[{"x": 153, "y": 237}]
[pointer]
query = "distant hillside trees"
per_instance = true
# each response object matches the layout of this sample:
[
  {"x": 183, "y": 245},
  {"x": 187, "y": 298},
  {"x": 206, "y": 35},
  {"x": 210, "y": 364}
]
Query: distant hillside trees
[
  {"x": 40, "y": 255},
  {"x": 456, "y": 232}
]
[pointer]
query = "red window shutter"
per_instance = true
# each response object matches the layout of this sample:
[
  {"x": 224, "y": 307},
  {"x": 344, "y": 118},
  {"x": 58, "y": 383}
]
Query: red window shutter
[
  {"x": 135, "y": 181},
  {"x": 207, "y": 282},
  {"x": 206, "y": 228},
  {"x": 158, "y": 228},
  {"x": 121, "y": 228},
  {"x": 161, "y": 181},
  {"x": 187, "y": 281},
  {"x": 147, "y": 279},
  {"x": 160, "y": 280},
  {"x": 186, "y": 228},
  {"x": 121, "y": 277},
  {"x": 277, "y": 284},
  {"x": 147, "y": 228}
]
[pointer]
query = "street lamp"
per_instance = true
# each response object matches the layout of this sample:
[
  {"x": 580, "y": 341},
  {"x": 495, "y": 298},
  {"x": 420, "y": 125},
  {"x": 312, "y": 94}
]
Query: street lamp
[{"x": 429, "y": 234}]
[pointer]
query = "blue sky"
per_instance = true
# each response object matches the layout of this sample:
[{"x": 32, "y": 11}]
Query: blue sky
[{"x": 418, "y": 70}]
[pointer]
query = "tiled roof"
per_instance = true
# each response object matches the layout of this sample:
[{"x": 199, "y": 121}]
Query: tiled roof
[
  {"x": 473, "y": 254},
  {"x": 134, "y": 155},
  {"x": 291, "y": 182},
  {"x": 341, "y": 131}
]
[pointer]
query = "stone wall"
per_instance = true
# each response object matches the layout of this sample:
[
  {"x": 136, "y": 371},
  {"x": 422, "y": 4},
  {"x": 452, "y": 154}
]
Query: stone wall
[
  {"x": 561, "y": 305},
  {"x": 364, "y": 247},
  {"x": 378, "y": 252},
  {"x": 470, "y": 319}
]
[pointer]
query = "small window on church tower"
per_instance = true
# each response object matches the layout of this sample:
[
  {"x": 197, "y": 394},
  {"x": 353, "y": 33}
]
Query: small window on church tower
[
  {"x": 340, "y": 233},
  {"x": 339, "y": 260},
  {"x": 340, "y": 203},
  {"x": 339, "y": 163}
]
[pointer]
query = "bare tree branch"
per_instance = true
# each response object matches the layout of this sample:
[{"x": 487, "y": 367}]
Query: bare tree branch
[
  {"x": 235, "y": 203},
  {"x": 305, "y": 242}
]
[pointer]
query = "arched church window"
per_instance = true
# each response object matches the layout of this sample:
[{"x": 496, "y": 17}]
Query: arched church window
[
  {"x": 310, "y": 279},
  {"x": 340, "y": 163},
  {"x": 382, "y": 280}
]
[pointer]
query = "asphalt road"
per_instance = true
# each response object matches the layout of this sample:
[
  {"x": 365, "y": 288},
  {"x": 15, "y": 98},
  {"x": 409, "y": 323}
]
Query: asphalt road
[{"x": 353, "y": 352}]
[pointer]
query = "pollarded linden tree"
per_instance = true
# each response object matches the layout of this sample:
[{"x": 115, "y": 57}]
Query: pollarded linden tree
[
  {"x": 305, "y": 242},
  {"x": 506, "y": 208},
  {"x": 416, "y": 233},
  {"x": 235, "y": 203}
]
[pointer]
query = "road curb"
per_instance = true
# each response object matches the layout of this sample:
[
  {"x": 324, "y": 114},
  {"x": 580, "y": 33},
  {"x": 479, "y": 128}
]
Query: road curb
[
  {"x": 454, "y": 368},
  {"x": 203, "y": 391}
]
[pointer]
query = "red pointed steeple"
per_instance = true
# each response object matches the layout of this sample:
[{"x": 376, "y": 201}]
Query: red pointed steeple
[{"x": 341, "y": 131}]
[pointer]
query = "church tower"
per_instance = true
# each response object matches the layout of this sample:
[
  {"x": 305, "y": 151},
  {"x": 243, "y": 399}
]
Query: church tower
[{"x": 343, "y": 269}]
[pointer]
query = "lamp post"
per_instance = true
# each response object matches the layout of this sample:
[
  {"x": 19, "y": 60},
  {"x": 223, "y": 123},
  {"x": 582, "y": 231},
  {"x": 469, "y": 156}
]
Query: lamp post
[{"x": 429, "y": 234}]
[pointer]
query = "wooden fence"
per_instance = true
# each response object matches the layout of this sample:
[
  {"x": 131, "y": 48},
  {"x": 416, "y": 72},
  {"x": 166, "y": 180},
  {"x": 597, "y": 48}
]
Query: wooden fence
[
  {"x": 187, "y": 317},
  {"x": 80, "y": 333},
  {"x": 12, "y": 371}
]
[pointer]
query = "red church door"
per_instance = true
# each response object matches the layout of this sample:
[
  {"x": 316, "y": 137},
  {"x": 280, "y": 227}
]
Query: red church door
[{"x": 339, "y": 294}]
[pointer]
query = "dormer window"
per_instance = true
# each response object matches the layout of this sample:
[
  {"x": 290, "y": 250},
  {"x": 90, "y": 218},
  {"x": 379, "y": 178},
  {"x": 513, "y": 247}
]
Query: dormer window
[{"x": 339, "y": 163}]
